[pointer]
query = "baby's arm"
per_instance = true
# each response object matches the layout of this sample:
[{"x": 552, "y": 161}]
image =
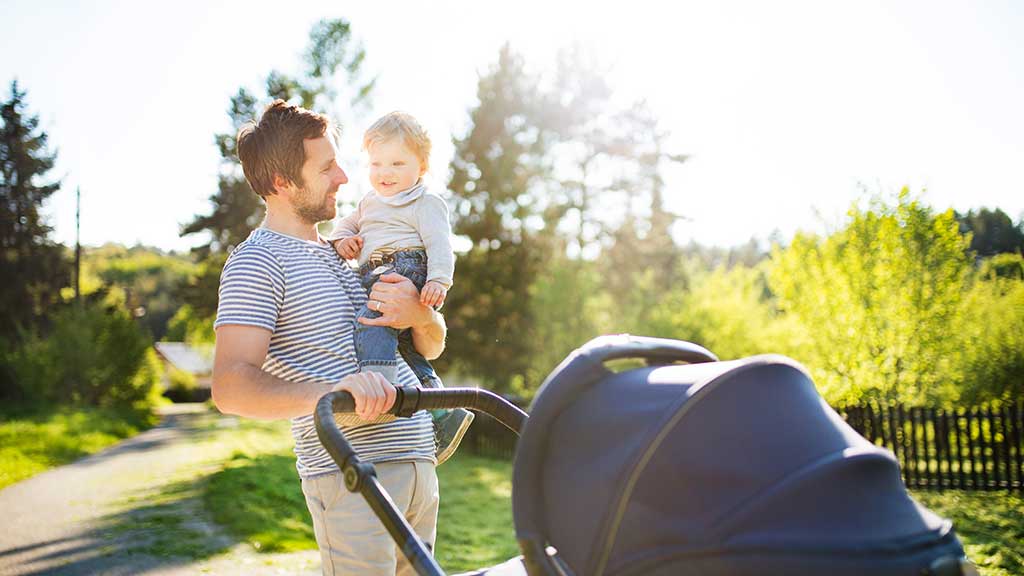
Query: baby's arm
[
  {"x": 345, "y": 235},
  {"x": 432, "y": 219},
  {"x": 349, "y": 248},
  {"x": 433, "y": 293}
]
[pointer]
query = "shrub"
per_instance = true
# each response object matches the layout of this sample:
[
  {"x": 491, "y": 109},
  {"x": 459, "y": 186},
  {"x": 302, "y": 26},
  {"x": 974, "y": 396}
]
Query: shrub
[{"x": 95, "y": 355}]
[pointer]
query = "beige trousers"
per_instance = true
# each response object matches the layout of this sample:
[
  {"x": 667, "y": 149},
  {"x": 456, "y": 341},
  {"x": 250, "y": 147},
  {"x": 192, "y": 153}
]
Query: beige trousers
[{"x": 351, "y": 538}]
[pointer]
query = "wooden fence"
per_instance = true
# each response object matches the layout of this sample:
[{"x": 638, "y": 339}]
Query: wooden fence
[{"x": 976, "y": 448}]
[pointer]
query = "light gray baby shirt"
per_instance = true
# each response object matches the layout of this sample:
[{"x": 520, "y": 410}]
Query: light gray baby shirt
[{"x": 412, "y": 218}]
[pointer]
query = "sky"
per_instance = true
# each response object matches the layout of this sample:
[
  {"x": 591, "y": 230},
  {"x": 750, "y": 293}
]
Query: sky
[{"x": 790, "y": 111}]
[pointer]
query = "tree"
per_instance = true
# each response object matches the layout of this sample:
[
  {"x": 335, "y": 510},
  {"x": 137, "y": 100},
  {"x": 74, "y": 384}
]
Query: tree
[
  {"x": 33, "y": 266},
  {"x": 876, "y": 301},
  {"x": 144, "y": 279},
  {"x": 332, "y": 51},
  {"x": 992, "y": 232},
  {"x": 498, "y": 206},
  {"x": 990, "y": 331}
]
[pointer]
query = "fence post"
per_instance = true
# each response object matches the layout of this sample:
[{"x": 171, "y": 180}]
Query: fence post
[
  {"x": 911, "y": 418},
  {"x": 960, "y": 481},
  {"x": 1018, "y": 422},
  {"x": 1004, "y": 430},
  {"x": 946, "y": 479},
  {"x": 997, "y": 476}
]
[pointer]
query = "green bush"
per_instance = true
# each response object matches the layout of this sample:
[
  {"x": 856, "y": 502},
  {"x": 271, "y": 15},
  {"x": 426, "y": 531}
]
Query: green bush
[
  {"x": 95, "y": 355},
  {"x": 187, "y": 325},
  {"x": 990, "y": 333}
]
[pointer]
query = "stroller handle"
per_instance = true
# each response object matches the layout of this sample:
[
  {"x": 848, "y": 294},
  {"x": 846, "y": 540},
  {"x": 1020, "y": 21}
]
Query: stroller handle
[
  {"x": 361, "y": 477},
  {"x": 652, "y": 350}
]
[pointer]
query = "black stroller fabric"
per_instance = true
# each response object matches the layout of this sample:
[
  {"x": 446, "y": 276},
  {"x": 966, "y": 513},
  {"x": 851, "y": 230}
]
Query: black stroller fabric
[{"x": 717, "y": 468}]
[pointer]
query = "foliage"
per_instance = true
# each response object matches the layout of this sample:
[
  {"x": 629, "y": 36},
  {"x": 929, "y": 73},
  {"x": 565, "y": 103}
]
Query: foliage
[
  {"x": 32, "y": 265},
  {"x": 873, "y": 302},
  {"x": 94, "y": 355},
  {"x": 33, "y": 441},
  {"x": 190, "y": 327},
  {"x": 333, "y": 58},
  {"x": 990, "y": 525},
  {"x": 727, "y": 310},
  {"x": 332, "y": 52},
  {"x": 146, "y": 280},
  {"x": 990, "y": 334},
  {"x": 992, "y": 232},
  {"x": 571, "y": 307},
  {"x": 180, "y": 381},
  {"x": 551, "y": 175},
  {"x": 494, "y": 172}
]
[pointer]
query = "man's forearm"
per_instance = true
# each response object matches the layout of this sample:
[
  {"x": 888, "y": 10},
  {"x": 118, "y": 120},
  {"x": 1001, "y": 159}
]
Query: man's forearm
[
  {"x": 428, "y": 338},
  {"x": 248, "y": 391}
]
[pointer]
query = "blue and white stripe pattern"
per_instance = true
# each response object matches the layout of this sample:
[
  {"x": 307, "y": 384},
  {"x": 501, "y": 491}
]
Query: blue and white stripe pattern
[{"x": 308, "y": 298}]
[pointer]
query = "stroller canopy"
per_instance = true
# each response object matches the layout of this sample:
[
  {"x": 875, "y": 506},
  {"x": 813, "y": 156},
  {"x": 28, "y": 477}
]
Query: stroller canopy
[{"x": 710, "y": 468}]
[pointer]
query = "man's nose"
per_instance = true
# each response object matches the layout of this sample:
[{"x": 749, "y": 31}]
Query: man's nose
[{"x": 340, "y": 177}]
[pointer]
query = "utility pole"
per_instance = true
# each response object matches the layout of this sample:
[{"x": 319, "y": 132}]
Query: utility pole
[{"x": 78, "y": 245}]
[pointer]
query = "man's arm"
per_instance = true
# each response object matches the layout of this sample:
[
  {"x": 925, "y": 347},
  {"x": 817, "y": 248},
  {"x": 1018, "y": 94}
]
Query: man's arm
[
  {"x": 240, "y": 386},
  {"x": 400, "y": 307},
  {"x": 428, "y": 338}
]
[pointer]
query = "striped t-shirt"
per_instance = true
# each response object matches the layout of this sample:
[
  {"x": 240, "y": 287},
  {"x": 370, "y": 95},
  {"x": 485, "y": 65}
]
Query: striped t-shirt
[{"x": 308, "y": 298}]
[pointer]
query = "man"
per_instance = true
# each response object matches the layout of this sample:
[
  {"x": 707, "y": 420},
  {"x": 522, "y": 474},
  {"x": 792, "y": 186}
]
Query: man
[{"x": 285, "y": 325}]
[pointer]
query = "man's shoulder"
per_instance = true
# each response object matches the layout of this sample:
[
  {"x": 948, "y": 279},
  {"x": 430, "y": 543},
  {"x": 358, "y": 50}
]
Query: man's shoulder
[
  {"x": 260, "y": 249},
  {"x": 256, "y": 245}
]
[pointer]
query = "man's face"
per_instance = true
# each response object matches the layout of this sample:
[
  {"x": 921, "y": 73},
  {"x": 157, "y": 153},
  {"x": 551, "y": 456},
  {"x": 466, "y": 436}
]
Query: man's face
[
  {"x": 393, "y": 167},
  {"x": 314, "y": 201}
]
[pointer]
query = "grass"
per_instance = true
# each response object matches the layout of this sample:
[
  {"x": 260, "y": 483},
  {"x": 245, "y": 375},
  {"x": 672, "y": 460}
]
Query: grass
[
  {"x": 256, "y": 497},
  {"x": 990, "y": 525},
  {"x": 474, "y": 525},
  {"x": 32, "y": 441},
  {"x": 245, "y": 480},
  {"x": 167, "y": 517}
]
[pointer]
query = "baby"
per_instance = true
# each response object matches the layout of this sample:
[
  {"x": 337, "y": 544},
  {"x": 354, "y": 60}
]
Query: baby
[{"x": 401, "y": 226}]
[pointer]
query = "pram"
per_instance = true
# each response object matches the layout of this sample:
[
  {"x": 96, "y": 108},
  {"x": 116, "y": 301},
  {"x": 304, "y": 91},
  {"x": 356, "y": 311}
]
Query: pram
[{"x": 704, "y": 468}]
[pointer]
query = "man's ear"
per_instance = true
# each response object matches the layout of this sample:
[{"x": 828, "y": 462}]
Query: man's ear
[{"x": 282, "y": 184}]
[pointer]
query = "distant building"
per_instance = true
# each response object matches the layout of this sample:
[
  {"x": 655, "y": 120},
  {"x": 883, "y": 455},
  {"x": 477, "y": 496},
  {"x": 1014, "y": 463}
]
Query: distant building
[{"x": 196, "y": 360}]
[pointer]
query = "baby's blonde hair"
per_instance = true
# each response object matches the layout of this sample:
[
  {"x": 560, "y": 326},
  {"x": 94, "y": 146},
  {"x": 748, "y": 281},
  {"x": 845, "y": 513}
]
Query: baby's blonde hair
[{"x": 400, "y": 124}]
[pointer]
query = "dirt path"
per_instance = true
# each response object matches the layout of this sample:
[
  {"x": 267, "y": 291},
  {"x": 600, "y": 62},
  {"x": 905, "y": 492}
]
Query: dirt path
[{"x": 131, "y": 509}]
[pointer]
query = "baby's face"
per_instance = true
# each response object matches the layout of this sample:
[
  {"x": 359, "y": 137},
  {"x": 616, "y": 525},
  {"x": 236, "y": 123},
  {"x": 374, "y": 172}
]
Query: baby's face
[{"x": 393, "y": 167}]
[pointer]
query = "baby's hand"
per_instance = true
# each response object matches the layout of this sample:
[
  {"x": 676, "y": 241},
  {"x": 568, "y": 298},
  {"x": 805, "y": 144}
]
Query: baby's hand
[
  {"x": 350, "y": 247},
  {"x": 433, "y": 294}
]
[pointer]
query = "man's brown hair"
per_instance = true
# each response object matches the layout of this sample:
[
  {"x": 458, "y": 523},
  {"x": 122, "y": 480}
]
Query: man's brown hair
[{"x": 274, "y": 144}]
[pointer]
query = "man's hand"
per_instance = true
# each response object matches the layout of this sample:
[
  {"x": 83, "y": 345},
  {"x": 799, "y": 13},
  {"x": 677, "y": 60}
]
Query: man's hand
[
  {"x": 349, "y": 248},
  {"x": 373, "y": 394},
  {"x": 398, "y": 301},
  {"x": 433, "y": 294}
]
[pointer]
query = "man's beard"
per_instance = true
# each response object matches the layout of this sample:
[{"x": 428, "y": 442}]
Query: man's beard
[{"x": 310, "y": 209}]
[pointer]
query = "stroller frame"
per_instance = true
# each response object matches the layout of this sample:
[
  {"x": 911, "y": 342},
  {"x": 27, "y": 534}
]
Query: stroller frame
[
  {"x": 362, "y": 477},
  {"x": 581, "y": 370}
]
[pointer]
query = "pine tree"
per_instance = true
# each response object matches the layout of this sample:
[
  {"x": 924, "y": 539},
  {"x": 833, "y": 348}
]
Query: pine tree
[
  {"x": 236, "y": 209},
  {"x": 497, "y": 205},
  {"x": 32, "y": 265}
]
